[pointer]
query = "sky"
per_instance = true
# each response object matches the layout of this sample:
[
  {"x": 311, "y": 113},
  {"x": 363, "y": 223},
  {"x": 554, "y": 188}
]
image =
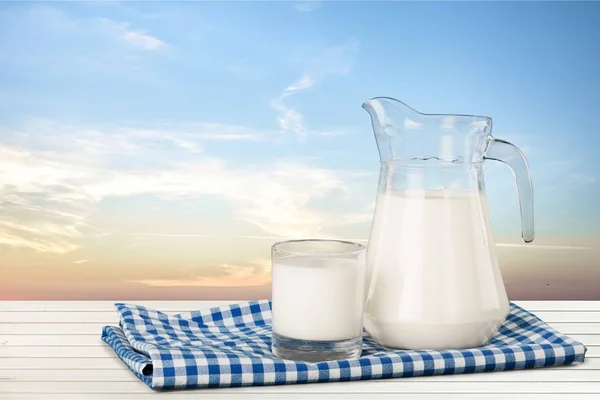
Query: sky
[{"x": 158, "y": 150}]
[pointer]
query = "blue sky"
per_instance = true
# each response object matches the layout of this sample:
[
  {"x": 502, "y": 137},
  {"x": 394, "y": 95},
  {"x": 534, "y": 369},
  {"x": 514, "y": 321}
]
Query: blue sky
[{"x": 218, "y": 117}]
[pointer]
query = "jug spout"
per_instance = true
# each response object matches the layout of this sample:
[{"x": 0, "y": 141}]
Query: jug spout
[
  {"x": 384, "y": 110},
  {"x": 387, "y": 115},
  {"x": 379, "y": 107}
]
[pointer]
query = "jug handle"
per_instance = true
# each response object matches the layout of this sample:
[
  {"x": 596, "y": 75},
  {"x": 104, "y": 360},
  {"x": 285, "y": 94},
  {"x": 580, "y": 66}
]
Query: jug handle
[{"x": 509, "y": 154}]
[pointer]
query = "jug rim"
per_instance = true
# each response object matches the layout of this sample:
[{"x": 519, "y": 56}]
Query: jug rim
[{"x": 480, "y": 117}]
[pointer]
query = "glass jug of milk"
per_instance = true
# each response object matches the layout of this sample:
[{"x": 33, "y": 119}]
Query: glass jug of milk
[{"x": 432, "y": 279}]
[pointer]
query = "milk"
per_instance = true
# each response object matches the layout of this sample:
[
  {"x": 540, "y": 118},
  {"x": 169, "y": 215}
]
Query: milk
[
  {"x": 318, "y": 299},
  {"x": 432, "y": 275}
]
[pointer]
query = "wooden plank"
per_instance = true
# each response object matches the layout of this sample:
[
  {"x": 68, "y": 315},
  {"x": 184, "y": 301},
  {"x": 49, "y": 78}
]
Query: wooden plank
[
  {"x": 122, "y": 375},
  {"x": 84, "y": 328},
  {"x": 47, "y": 363},
  {"x": 551, "y": 317},
  {"x": 54, "y": 329},
  {"x": 422, "y": 386},
  {"x": 163, "y": 305},
  {"x": 559, "y": 305},
  {"x": 57, "y": 351},
  {"x": 59, "y": 317},
  {"x": 567, "y": 328},
  {"x": 294, "y": 396},
  {"x": 110, "y": 317},
  {"x": 180, "y": 306},
  {"x": 93, "y": 339},
  {"x": 57, "y": 363}
]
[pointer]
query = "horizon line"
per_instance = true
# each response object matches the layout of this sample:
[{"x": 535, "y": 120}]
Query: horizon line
[{"x": 507, "y": 245}]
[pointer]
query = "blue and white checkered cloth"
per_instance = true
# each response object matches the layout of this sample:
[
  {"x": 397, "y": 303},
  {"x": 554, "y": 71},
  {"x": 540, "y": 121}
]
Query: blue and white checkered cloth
[{"x": 231, "y": 346}]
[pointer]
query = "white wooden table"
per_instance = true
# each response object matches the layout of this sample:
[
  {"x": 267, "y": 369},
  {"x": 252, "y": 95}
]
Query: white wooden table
[{"x": 52, "y": 350}]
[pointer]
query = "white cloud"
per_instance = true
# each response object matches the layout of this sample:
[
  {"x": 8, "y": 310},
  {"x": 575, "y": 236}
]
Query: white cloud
[
  {"x": 307, "y": 6},
  {"x": 256, "y": 273},
  {"x": 53, "y": 40},
  {"x": 132, "y": 37},
  {"x": 332, "y": 133},
  {"x": 186, "y": 144},
  {"x": 337, "y": 60},
  {"x": 50, "y": 190},
  {"x": 176, "y": 235},
  {"x": 334, "y": 60},
  {"x": 194, "y": 132},
  {"x": 142, "y": 40},
  {"x": 54, "y": 245},
  {"x": 54, "y": 21},
  {"x": 360, "y": 217},
  {"x": 125, "y": 140},
  {"x": 291, "y": 120},
  {"x": 304, "y": 83}
]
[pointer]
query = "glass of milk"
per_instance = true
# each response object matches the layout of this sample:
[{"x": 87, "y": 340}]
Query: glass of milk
[{"x": 317, "y": 299}]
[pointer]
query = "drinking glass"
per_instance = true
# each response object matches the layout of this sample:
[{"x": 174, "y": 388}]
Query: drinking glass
[{"x": 317, "y": 299}]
